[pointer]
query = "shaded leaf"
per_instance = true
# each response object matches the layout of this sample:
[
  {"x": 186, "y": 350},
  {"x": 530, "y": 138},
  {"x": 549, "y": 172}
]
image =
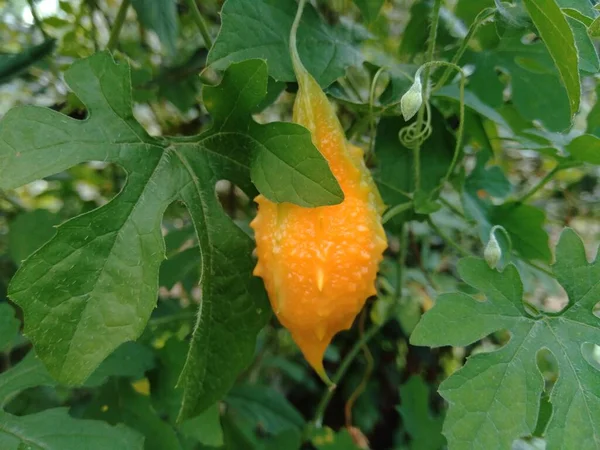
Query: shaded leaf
[{"x": 13, "y": 64}]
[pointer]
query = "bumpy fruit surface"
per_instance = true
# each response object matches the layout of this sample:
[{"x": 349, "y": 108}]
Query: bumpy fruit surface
[{"x": 319, "y": 264}]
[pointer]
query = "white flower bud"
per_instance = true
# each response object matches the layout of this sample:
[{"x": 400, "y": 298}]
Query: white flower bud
[
  {"x": 492, "y": 252},
  {"x": 411, "y": 101}
]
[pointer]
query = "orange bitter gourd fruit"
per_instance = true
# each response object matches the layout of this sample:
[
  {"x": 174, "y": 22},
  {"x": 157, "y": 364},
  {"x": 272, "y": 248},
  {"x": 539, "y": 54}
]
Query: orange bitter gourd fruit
[{"x": 319, "y": 264}]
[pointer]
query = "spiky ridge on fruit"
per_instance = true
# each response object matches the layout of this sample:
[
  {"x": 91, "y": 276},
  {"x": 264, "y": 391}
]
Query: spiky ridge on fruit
[{"x": 319, "y": 264}]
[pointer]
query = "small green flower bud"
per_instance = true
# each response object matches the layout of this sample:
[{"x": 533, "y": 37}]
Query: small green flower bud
[
  {"x": 492, "y": 252},
  {"x": 411, "y": 101}
]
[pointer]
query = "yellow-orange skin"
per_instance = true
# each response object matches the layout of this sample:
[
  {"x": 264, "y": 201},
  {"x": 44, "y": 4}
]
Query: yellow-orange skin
[{"x": 319, "y": 264}]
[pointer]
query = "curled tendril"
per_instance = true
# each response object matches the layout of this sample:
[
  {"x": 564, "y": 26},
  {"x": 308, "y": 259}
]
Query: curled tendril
[{"x": 413, "y": 135}]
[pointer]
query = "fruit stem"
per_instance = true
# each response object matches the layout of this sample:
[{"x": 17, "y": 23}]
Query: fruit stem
[{"x": 296, "y": 61}]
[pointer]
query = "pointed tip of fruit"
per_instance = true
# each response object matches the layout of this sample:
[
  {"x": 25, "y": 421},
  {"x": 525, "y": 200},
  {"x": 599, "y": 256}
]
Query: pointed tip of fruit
[{"x": 257, "y": 272}]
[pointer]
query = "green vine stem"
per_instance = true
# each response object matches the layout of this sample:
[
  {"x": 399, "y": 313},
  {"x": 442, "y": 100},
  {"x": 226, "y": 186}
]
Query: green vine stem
[
  {"x": 479, "y": 20},
  {"x": 371, "y": 114},
  {"x": 410, "y": 133},
  {"x": 540, "y": 185},
  {"x": 116, "y": 28},
  {"x": 36, "y": 19},
  {"x": 447, "y": 238},
  {"x": 421, "y": 115},
  {"x": 200, "y": 23}
]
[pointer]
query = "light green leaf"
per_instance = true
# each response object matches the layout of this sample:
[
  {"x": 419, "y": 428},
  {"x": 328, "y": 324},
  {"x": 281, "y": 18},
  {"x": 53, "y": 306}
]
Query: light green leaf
[
  {"x": 94, "y": 285},
  {"x": 261, "y": 29},
  {"x": 556, "y": 33},
  {"x": 585, "y": 148},
  {"x": 54, "y": 429},
  {"x": 117, "y": 403},
  {"x": 369, "y": 9},
  {"x": 29, "y": 231},
  {"x": 594, "y": 28},
  {"x": 9, "y": 326},
  {"x": 495, "y": 398},
  {"x": 160, "y": 16}
]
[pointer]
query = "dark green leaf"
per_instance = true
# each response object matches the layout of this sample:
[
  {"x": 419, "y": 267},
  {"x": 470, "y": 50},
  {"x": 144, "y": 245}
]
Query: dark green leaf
[
  {"x": 130, "y": 360},
  {"x": 29, "y": 372},
  {"x": 495, "y": 398},
  {"x": 425, "y": 431},
  {"x": 255, "y": 405},
  {"x": 117, "y": 403},
  {"x": 54, "y": 429},
  {"x": 160, "y": 16},
  {"x": 261, "y": 29},
  {"x": 9, "y": 326},
  {"x": 94, "y": 285},
  {"x": 556, "y": 33}
]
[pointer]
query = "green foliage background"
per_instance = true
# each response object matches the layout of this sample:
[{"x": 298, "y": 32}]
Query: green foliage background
[{"x": 134, "y": 136}]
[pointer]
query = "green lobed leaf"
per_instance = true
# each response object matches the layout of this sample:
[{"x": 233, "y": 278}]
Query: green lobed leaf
[
  {"x": 94, "y": 285},
  {"x": 556, "y": 33},
  {"x": 160, "y": 16},
  {"x": 495, "y": 398},
  {"x": 54, "y": 429},
  {"x": 261, "y": 29}
]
